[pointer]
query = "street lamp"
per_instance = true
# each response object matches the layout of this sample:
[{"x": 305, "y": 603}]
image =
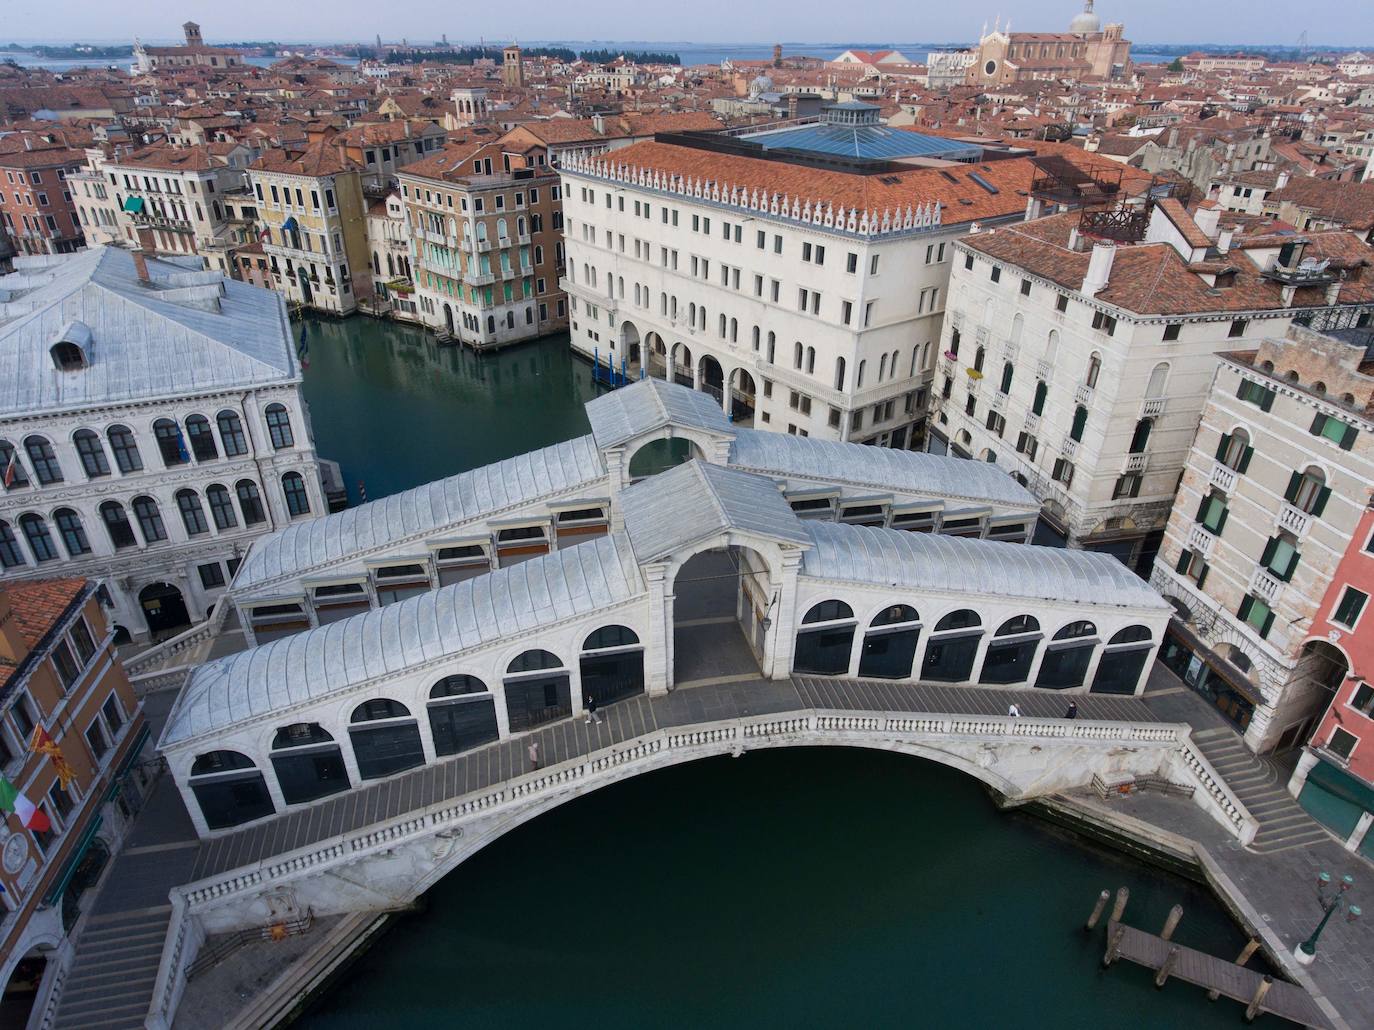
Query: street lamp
[{"x": 1330, "y": 900}]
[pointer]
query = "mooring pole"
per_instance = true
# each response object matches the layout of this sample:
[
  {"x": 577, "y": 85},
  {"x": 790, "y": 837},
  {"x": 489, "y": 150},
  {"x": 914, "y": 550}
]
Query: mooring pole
[
  {"x": 1171, "y": 924},
  {"x": 1098, "y": 909},
  {"x": 1123, "y": 894},
  {"x": 1253, "y": 1009},
  {"x": 1251, "y": 946},
  {"x": 1170, "y": 960}
]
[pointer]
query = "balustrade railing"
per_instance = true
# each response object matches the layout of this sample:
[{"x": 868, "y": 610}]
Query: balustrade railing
[
  {"x": 1223, "y": 477},
  {"x": 1294, "y": 519}
]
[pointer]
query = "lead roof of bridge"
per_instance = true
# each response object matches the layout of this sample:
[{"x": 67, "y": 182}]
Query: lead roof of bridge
[
  {"x": 698, "y": 500},
  {"x": 878, "y": 468},
  {"x": 929, "y": 561},
  {"x": 442, "y": 504},
  {"x": 334, "y": 658},
  {"x": 186, "y": 331},
  {"x": 651, "y": 404}
]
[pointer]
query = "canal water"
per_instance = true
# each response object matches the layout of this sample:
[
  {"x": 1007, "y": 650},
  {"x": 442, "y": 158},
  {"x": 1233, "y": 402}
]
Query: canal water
[{"x": 794, "y": 888}]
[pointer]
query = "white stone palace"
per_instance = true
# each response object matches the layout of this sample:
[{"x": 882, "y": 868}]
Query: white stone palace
[{"x": 667, "y": 547}]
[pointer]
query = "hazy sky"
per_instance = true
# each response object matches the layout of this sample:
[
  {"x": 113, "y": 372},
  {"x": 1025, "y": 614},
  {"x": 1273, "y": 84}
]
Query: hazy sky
[{"x": 1335, "y": 22}]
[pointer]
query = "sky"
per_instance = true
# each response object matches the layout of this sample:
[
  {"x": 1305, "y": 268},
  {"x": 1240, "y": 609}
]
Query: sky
[{"x": 1327, "y": 22}]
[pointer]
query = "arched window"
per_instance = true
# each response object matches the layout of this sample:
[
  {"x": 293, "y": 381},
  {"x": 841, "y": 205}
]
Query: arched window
[
  {"x": 772, "y": 347},
  {"x": 68, "y": 357},
  {"x": 279, "y": 426},
  {"x": 462, "y": 714},
  {"x": 1307, "y": 491},
  {"x": 11, "y": 468},
  {"x": 1235, "y": 451},
  {"x": 979, "y": 356},
  {"x": 612, "y": 665},
  {"x": 10, "y": 555},
  {"x": 501, "y": 232},
  {"x": 202, "y": 439},
  {"x": 721, "y": 333},
  {"x": 916, "y": 353},
  {"x": 1068, "y": 656},
  {"x": 797, "y": 357},
  {"x": 385, "y": 738},
  {"x": 72, "y": 532},
  {"x": 229, "y": 789},
  {"x": 40, "y": 540},
  {"x": 859, "y": 382},
  {"x": 756, "y": 338},
  {"x": 1080, "y": 422},
  {"x": 192, "y": 514},
  {"x": 810, "y": 360},
  {"x": 117, "y": 525},
  {"x": 250, "y": 502},
  {"x": 308, "y": 762},
  {"x": 221, "y": 507},
  {"x": 1018, "y": 323},
  {"x": 825, "y": 639},
  {"x": 1052, "y": 347},
  {"x": 1041, "y": 392},
  {"x": 1120, "y": 669},
  {"x": 1141, "y": 437},
  {"x": 149, "y": 519},
  {"x": 1007, "y": 372},
  {"x": 952, "y": 648},
  {"x": 839, "y": 373},
  {"x": 1010, "y": 655},
  {"x": 1094, "y": 370},
  {"x": 92, "y": 454},
  {"x": 297, "y": 499},
  {"x": 127, "y": 458},
  {"x": 1159, "y": 380},
  {"x": 890, "y": 643},
  {"x": 538, "y": 690},
  {"x": 43, "y": 461},
  {"x": 169, "y": 443}
]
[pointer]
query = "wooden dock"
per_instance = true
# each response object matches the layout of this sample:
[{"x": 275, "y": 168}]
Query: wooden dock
[{"x": 1286, "y": 1000}]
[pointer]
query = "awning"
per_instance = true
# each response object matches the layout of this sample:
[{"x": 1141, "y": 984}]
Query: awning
[
  {"x": 1227, "y": 672},
  {"x": 73, "y": 861},
  {"x": 289, "y": 225},
  {"x": 1337, "y": 781},
  {"x": 134, "y": 205}
]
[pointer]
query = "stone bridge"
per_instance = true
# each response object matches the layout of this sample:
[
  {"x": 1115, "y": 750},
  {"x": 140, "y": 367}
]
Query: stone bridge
[{"x": 382, "y": 846}]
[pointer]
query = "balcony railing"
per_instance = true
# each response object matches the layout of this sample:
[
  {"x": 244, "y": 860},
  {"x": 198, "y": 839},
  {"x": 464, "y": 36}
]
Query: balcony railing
[
  {"x": 999, "y": 401},
  {"x": 1135, "y": 463},
  {"x": 1264, "y": 586},
  {"x": 1083, "y": 395},
  {"x": 1223, "y": 477},
  {"x": 1009, "y": 350},
  {"x": 1044, "y": 369},
  {"x": 1295, "y": 520},
  {"x": 1032, "y": 422},
  {"x": 1070, "y": 447},
  {"x": 1200, "y": 540},
  {"x": 1152, "y": 408}
]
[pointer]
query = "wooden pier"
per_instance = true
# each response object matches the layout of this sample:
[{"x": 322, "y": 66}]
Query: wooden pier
[{"x": 1255, "y": 990}]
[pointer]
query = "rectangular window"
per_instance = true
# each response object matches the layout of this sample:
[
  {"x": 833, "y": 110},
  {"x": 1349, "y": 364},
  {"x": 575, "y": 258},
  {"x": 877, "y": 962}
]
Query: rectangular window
[
  {"x": 1342, "y": 743},
  {"x": 1349, "y": 607},
  {"x": 211, "y": 575},
  {"x": 851, "y": 262},
  {"x": 996, "y": 274},
  {"x": 777, "y": 244},
  {"x": 1255, "y": 393},
  {"x": 1127, "y": 486},
  {"x": 1256, "y": 614},
  {"x": 1171, "y": 330},
  {"x": 968, "y": 262},
  {"x": 1212, "y": 513},
  {"x": 1238, "y": 328},
  {"x": 1025, "y": 287},
  {"x": 1335, "y": 430},
  {"x": 1061, "y": 303}
]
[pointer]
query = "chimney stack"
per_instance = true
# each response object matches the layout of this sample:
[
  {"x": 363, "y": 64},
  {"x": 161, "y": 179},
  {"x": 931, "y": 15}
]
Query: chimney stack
[
  {"x": 1099, "y": 268},
  {"x": 1207, "y": 219},
  {"x": 1224, "y": 237},
  {"x": 146, "y": 246},
  {"x": 1282, "y": 180}
]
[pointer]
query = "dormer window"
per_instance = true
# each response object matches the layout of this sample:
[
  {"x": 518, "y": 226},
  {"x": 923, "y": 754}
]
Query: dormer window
[{"x": 68, "y": 357}]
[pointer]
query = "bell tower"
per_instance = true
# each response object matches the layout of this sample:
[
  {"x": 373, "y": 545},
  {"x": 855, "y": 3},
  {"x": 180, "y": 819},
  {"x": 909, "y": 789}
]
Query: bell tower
[
  {"x": 512, "y": 68},
  {"x": 192, "y": 31}
]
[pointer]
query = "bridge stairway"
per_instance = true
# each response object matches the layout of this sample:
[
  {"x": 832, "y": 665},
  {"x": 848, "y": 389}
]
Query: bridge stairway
[
  {"x": 1262, "y": 787},
  {"x": 110, "y": 984}
]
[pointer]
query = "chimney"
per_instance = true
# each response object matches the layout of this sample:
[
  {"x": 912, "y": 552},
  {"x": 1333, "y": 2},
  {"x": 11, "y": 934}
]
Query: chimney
[
  {"x": 1224, "y": 238},
  {"x": 599, "y": 124},
  {"x": 146, "y": 246},
  {"x": 1207, "y": 219},
  {"x": 1099, "y": 268},
  {"x": 1074, "y": 239},
  {"x": 1282, "y": 180}
]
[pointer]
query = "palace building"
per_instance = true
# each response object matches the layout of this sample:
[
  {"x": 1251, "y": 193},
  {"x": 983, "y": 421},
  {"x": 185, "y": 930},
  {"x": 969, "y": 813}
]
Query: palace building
[{"x": 491, "y": 603}]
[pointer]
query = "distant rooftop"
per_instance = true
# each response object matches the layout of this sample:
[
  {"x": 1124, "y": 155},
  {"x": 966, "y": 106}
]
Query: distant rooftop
[{"x": 853, "y": 129}]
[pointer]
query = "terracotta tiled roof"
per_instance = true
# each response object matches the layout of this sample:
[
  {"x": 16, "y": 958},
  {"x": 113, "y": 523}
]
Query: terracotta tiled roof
[
  {"x": 38, "y": 603},
  {"x": 317, "y": 160},
  {"x": 1349, "y": 203},
  {"x": 170, "y": 159}
]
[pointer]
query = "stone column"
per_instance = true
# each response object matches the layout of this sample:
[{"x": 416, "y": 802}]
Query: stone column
[
  {"x": 1357, "y": 836},
  {"x": 658, "y": 652},
  {"x": 617, "y": 468},
  {"x": 778, "y": 646},
  {"x": 350, "y": 760},
  {"x": 1298, "y": 780},
  {"x": 1091, "y": 671},
  {"x": 498, "y": 696}
]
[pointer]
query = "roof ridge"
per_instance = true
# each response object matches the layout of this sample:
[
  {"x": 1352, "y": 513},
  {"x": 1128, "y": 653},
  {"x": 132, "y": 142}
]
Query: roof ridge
[{"x": 700, "y": 469}]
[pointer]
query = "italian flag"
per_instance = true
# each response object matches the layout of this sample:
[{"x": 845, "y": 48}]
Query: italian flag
[{"x": 33, "y": 817}]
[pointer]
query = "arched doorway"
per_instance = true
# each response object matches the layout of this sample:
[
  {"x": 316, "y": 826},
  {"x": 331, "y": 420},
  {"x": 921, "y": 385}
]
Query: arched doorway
[
  {"x": 722, "y": 600},
  {"x": 629, "y": 348},
  {"x": 712, "y": 379},
  {"x": 306, "y": 296},
  {"x": 448, "y": 316},
  {"x": 660, "y": 455},
  {"x": 683, "y": 370},
  {"x": 164, "y": 609},
  {"x": 657, "y": 356},
  {"x": 1320, "y": 671},
  {"x": 21, "y": 990},
  {"x": 742, "y": 398}
]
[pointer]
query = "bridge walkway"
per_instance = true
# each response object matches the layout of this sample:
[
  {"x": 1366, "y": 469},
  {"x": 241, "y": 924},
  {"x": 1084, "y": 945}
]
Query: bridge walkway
[{"x": 572, "y": 738}]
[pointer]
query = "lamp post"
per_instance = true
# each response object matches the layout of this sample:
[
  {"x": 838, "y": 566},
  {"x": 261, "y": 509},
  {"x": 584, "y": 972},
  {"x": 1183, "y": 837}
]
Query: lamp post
[{"x": 1330, "y": 900}]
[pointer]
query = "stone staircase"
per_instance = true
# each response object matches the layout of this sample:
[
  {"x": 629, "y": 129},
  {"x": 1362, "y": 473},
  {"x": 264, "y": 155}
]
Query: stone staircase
[
  {"x": 1262, "y": 787},
  {"x": 110, "y": 983}
]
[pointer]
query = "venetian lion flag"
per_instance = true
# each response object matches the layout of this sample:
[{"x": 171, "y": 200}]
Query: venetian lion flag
[
  {"x": 33, "y": 817},
  {"x": 43, "y": 744}
]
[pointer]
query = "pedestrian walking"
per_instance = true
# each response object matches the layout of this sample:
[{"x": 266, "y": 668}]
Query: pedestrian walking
[
  {"x": 533, "y": 752},
  {"x": 1013, "y": 711},
  {"x": 1072, "y": 713},
  {"x": 591, "y": 710}
]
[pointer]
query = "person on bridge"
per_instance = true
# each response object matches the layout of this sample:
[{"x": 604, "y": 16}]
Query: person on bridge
[
  {"x": 1013, "y": 711},
  {"x": 533, "y": 752},
  {"x": 1072, "y": 713},
  {"x": 591, "y": 710}
]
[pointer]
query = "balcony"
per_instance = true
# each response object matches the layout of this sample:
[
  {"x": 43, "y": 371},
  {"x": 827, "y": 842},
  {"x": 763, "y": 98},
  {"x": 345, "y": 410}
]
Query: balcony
[
  {"x": 1044, "y": 369},
  {"x": 1295, "y": 520},
  {"x": 1152, "y": 408},
  {"x": 1032, "y": 422},
  {"x": 483, "y": 246},
  {"x": 1200, "y": 540},
  {"x": 1264, "y": 586},
  {"x": 1069, "y": 448},
  {"x": 502, "y": 242},
  {"x": 1223, "y": 477},
  {"x": 982, "y": 335},
  {"x": 1134, "y": 463},
  {"x": 1083, "y": 395},
  {"x": 956, "y": 319},
  {"x": 523, "y": 239},
  {"x": 1009, "y": 350},
  {"x": 999, "y": 401},
  {"x": 479, "y": 278}
]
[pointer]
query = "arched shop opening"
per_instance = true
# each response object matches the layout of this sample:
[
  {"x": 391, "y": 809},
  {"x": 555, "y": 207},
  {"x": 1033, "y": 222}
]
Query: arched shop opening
[
  {"x": 385, "y": 738},
  {"x": 538, "y": 690},
  {"x": 742, "y": 398},
  {"x": 825, "y": 639},
  {"x": 712, "y": 379},
  {"x": 308, "y": 762},
  {"x": 611, "y": 665},
  {"x": 660, "y": 455},
  {"x": 164, "y": 609},
  {"x": 1011, "y": 653},
  {"x": 890, "y": 643},
  {"x": 229, "y": 789},
  {"x": 953, "y": 647},
  {"x": 1067, "y": 657},
  {"x": 462, "y": 714},
  {"x": 1123, "y": 661}
]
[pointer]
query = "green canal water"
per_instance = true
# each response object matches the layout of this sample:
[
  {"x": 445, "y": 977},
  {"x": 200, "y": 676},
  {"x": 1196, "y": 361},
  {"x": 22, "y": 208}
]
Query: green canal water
[{"x": 795, "y": 888}]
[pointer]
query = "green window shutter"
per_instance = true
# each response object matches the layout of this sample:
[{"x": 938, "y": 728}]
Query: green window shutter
[
  {"x": 1241, "y": 390},
  {"x": 1183, "y": 559},
  {"x": 1318, "y": 423},
  {"x": 1322, "y": 498},
  {"x": 1268, "y": 622},
  {"x": 1245, "y": 457},
  {"x": 1267, "y": 401},
  {"x": 1221, "y": 522},
  {"x": 1292, "y": 565},
  {"x": 1243, "y": 613},
  {"x": 1294, "y": 482},
  {"x": 1202, "y": 575},
  {"x": 1202, "y": 510},
  {"x": 1221, "y": 447},
  {"x": 1269, "y": 548},
  {"x": 1348, "y": 440}
]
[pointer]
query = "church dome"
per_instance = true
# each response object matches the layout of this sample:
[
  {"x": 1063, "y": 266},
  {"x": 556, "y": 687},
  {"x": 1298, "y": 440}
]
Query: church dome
[{"x": 1085, "y": 21}]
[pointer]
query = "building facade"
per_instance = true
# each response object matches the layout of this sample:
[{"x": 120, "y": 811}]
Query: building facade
[
  {"x": 61, "y": 675},
  {"x": 1273, "y": 495},
  {"x": 146, "y": 451},
  {"x": 36, "y": 202}
]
